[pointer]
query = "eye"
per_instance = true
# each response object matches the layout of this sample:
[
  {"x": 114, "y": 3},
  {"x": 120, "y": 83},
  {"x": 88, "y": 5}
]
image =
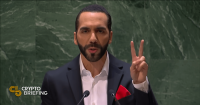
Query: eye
[
  {"x": 100, "y": 31},
  {"x": 84, "y": 31}
]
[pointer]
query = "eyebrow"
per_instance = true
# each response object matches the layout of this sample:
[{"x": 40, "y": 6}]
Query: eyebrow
[
  {"x": 101, "y": 28},
  {"x": 84, "y": 28}
]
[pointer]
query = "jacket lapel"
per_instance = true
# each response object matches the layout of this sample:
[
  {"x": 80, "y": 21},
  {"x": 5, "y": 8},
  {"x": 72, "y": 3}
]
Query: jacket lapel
[
  {"x": 114, "y": 77},
  {"x": 75, "y": 79}
]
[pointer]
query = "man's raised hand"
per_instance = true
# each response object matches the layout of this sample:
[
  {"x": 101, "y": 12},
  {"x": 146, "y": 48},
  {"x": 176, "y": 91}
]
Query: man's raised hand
[{"x": 138, "y": 67}]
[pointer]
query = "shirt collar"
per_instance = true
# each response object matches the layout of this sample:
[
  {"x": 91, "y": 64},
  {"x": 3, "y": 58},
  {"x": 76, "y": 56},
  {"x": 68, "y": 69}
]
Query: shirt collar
[{"x": 105, "y": 67}]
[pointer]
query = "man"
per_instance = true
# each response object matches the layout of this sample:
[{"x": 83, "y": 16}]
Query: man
[{"x": 96, "y": 70}]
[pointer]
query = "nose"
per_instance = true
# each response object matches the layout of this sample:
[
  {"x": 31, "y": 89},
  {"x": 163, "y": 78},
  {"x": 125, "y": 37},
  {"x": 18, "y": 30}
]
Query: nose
[{"x": 93, "y": 38}]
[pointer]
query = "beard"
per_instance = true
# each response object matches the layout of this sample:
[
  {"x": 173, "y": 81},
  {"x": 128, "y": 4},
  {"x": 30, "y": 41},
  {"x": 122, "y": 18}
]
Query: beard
[{"x": 93, "y": 57}]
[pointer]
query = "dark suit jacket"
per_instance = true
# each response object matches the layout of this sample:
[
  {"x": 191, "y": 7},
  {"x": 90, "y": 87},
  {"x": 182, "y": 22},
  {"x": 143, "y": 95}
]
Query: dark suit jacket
[{"x": 64, "y": 85}]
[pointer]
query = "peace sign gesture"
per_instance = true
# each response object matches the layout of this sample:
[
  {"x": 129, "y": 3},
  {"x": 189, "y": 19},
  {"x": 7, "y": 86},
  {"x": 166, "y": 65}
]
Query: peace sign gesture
[{"x": 139, "y": 67}]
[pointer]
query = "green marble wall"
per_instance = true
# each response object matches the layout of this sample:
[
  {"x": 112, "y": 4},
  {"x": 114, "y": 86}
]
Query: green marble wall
[{"x": 37, "y": 36}]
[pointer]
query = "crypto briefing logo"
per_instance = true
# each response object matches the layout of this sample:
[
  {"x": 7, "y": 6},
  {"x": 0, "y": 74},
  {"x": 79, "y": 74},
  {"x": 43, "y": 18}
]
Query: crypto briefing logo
[
  {"x": 27, "y": 90},
  {"x": 14, "y": 89}
]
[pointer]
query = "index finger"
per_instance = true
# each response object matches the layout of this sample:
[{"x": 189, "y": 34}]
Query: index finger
[
  {"x": 141, "y": 48},
  {"x": 133, "y": 54}
]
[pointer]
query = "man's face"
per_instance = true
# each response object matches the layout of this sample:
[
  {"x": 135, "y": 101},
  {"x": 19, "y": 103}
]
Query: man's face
[{"x": 92, "y": 35}]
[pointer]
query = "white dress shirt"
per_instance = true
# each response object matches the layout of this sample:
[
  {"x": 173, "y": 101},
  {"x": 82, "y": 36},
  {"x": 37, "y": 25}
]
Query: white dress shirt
[{"x": 98, "y": 85}]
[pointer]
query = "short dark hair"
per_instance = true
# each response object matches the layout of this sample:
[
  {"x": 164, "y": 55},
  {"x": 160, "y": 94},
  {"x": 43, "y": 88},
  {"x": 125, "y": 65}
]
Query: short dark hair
[{"x": 94, "y": 8}]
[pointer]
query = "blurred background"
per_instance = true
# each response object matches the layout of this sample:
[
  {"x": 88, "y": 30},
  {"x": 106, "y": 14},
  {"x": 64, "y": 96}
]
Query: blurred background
[{"x": 37, "y": 36}]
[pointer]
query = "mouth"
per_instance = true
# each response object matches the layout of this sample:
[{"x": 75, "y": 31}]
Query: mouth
[{"x": 92, "y": 50}]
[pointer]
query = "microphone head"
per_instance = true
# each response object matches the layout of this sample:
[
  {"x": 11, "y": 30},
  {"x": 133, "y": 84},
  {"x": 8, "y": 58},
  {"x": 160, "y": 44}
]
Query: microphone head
[
  {"x": 86, "y": 93},
  {"x": 112, "y": 92}
]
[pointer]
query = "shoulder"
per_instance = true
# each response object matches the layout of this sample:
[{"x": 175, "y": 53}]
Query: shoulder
[
  {"x": 122, "y": 65},
  {"x": 119, "y": 63},
  {"x": 58, "y": 72},
  {"x": 124, "y": 68},
  {"x": 63, "y": 70}
]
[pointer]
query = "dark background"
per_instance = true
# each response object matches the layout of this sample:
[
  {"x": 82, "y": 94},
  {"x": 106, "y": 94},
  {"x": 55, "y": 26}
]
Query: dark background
[{"x": 37, "y": 36}]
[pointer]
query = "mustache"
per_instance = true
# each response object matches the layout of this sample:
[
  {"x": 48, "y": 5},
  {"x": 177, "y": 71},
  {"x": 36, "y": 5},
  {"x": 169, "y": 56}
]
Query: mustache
[{"x": 92, "y": 45}]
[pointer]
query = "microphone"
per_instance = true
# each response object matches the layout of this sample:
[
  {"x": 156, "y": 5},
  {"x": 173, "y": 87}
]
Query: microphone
[
  {"x": 85, "y": 94},
  {"x": 112, "y": 93}
]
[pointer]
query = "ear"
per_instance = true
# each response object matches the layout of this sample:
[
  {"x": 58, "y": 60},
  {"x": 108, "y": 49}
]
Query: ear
[
  {"x": 75, "y": 41},
  {"x": 110, "y": 39}
]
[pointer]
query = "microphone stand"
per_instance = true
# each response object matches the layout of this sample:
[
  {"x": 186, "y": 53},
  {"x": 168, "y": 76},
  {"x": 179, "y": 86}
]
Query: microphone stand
[
  {"x": 81, "y": 99},
  {"x": 113, "y": 95},
  {"x": 85, "y": 94}
]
